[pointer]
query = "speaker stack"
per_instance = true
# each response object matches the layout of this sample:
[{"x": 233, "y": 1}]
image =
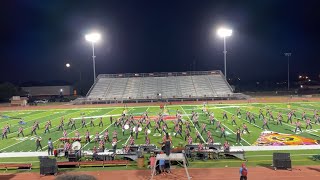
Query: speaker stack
[
  {"x": 48, "y": 166},
  {"x": 281, "y": 160}
]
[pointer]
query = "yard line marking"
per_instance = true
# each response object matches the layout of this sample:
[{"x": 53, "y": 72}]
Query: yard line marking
[{"x": 192, "y": 124}]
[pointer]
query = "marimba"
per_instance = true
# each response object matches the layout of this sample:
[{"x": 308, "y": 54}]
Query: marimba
[
  {"x": 63, "y": 139},
  {"x": 233, "y": 153}
]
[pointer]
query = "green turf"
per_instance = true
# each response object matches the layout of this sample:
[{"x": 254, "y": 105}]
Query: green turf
[{"x": 259, "y": 158}]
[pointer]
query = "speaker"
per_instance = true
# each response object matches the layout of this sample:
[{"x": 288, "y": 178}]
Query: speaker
[
  {"x": 282, "y": 160},
  {"x": 48, "y": 166}
]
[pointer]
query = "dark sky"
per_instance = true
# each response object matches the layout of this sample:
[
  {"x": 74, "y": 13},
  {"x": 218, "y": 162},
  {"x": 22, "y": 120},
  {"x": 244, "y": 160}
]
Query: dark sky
[{"x": 38, "y": 37}]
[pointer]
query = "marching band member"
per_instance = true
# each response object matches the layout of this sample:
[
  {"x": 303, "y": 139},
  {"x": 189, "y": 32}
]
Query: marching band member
[
  {"x": 101, "y": 122},
  {"x": 91, "y": 123},
  {"x": 208, "y": 134},
  {"x": 4, "y": 133},
  {"x": 271, "y": 116},
  {"x": 97, "y": 138},
  {"x": 111, "y": 119},
  {"x": 189, "y": 140},
  {"x": 69, "y": 122},
  {"x": 298, "y": 126},
  {"x": 211, "y": 119},
  {"x": 200, "y": 146},
  {"x": 49, "y": 123},
  {"x": 248, "y": 115},
  {"x": 178, "y": 131},
  {"x": 38, "y": 144},
  {"x": 87, "y": 136},
  {"x": 114, "y": 144},
  {"x": 123, "y": 130},
  {"x": 239, "y": 112},
  {"x": 147, "y": 140},
  {"x": 210, "y": 140},
  {"x": 223, "y": 132},
  {"x": 164, "y": 129},
  {"x": 196, "y": 121},
  {"x": 188, "y": 126},
  {"x": 73, "y": 124},
  {"x": 33, "y": 130},
  {"x": 289, "y": 117},
  {"x": 66, "y": 149},
  {"x": 304, "y": 116},
  {"x": 317, "y": 119},
  {"x": 60, "y": 126},
  {"x": 245, "y": 128},
  {"x": 308, "y": 123},
  {"x": 233, "y": 118},
  {"x": 218, "y": 125},
  {"x": 37, "y": 124},
  {"x": 261, "y": 114},
  {"x": 127, "y": 149},
  {"x": 224, "y": 115},
  {"x": 83, "y": 122},
  {"x": 226, "y": 146},
  {"x": 114, "y": 134},
  {"x": 106, "y": 136},
  {"x": 65, "y": 134},
  {"x": 101, "y": 145},
  {"x": 315, "y": 112},
  {"x": 198, "y": 136},
  {"x": 203, "y": 128},
  {"x": 279, "y": 119},
  {"x": 47, "y": 128},
  {"x": 251, "y": 118},
  {"x": 265, "y": 122},
  {"x": 136, "y": 131},
  {"x": 187, "y": 134},
  {"x": 20, "y": 131},
  {"x": 238, "y": 136},
  {"x": 131, "y": 141}
]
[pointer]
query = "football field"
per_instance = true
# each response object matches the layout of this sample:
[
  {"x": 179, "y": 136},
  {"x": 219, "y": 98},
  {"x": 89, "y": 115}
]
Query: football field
[{"x": 26, "y": 144}]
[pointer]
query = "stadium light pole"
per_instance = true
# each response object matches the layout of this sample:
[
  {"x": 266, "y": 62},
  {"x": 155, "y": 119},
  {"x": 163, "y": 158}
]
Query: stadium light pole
[
  {"x": 224, "y": 32},
  {"x": 288, "y": 56},
  {"x": 93, "y": 38}
]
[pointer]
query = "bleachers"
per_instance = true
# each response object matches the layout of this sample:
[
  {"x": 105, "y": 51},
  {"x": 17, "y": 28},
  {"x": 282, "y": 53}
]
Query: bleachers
[{"x": 203, "y": 84}]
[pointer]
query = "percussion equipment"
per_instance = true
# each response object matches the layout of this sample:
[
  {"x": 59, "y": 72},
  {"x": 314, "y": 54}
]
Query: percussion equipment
[
  {"x": 64, "y": 139},
  {"x": 76, "y": 146},
  {"x": 75, "y": 139},
  {"x": 134, "y": 128},
  {"x": 126, "y": 126}
]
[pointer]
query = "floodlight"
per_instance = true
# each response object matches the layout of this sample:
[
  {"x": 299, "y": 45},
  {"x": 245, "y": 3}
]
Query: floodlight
[
  {"x": 224, "y": 32},
  {"x": 67, "y": 65},
  {"x": 93, "y": 37}
]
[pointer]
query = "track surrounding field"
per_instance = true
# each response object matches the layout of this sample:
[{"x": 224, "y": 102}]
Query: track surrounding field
[{"x": 257, "y": 173}]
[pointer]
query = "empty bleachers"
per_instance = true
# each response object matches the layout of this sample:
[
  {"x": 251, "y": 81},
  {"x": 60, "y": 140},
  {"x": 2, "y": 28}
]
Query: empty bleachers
[{"x": 162, "y": 85}]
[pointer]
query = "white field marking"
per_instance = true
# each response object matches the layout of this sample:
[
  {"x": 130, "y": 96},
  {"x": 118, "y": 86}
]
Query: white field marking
[
  {"x": 292, "y": 126},
  {"x": 241, "y": 144},
  {"x": 95, "y": 117},
  {"x": 192, "y": 124},
  {"x": 245, "y": 120},
  {"x": 75, "y": 130}
]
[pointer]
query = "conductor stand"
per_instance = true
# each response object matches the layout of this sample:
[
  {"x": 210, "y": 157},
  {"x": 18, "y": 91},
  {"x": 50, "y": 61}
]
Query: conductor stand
[{"x": 179, "y": 157}]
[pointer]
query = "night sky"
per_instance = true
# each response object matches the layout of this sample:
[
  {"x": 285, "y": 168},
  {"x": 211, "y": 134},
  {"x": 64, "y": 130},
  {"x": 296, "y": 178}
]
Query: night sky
[{"x": 39, "y": 37}]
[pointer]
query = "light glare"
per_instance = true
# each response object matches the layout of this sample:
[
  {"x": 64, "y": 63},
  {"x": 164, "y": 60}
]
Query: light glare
[
  {"x": 93, "y": 37},
  {"x": 224, "y": 32}
]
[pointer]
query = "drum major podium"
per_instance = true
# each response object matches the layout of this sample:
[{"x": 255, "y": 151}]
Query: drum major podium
[{"x": 171, "y": 157}]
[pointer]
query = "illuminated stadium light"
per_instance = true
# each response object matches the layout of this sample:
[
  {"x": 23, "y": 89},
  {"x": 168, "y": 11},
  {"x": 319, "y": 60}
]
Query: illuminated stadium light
[
  {"x": 67, "y": 65},
  {"x": 307, "y": 77},
  {"x": 93, "y": 37},
  {"x": 61, "y": 90},
  {"x": 300, "y": 77},
  {"x": 224, "y": 32},
  {"x": 309, "y": 80},
  {"x": 301, "y": 86}
]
